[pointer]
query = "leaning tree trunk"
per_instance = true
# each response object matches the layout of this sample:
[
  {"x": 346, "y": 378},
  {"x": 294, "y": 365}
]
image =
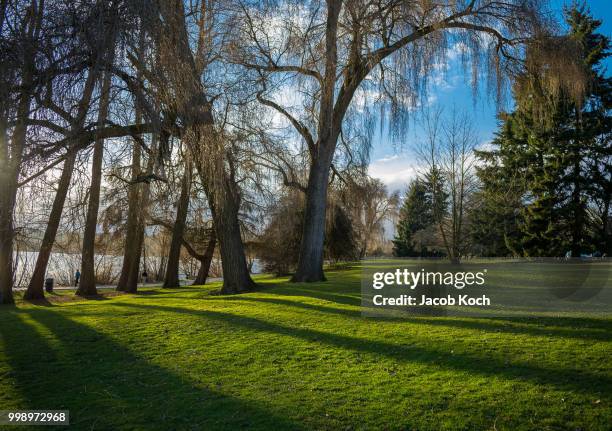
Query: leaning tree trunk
[
  {"x": 206, "y": 261},
  {"x": 184, "y": 77},
  {"x": 128, "y": 280},
  {"x": 87, "y": 284},
  {"x": 310, "y": 263},
  {"x": 224, "y": 203},
  {"x": 172, "y": 267},
  {"x": 35, "y": 288},
  {"x": 210, "y": 158}
]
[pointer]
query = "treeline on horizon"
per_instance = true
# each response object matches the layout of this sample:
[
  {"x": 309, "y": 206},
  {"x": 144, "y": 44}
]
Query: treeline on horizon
[{"x": 232, "y": 129}]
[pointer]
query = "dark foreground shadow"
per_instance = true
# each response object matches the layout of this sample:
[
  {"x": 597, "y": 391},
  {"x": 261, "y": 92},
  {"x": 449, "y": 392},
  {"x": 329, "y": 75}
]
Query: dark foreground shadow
[
  {"x": 57, "y": 363},
  {"x": 580, "y": 380}
]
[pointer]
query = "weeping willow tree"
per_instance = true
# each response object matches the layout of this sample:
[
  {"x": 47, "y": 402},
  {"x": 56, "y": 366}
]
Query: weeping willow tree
[
  {"x": 319, "y": 64},
  {"x": 187, "y": 82}
]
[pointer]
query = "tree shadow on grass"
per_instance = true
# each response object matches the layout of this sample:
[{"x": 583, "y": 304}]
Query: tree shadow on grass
[
  {"x": 580, "y": 380},
  {"x": 57, "y": 363},
  {"x": 164, "y": 292},
  {"x": 347, "y": 297},
  {"x": 561, "y": 327}
]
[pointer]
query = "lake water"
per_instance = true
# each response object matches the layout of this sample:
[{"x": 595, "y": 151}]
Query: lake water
[{"x": 62, "y": 267}]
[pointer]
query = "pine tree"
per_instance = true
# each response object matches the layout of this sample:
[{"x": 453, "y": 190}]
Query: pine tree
[
  {"x": 340, "y": 243},
  {"x": 493, "y": 220},
  {"x": 552, "y": 144},
  {"x": 590, "y": 152},
  {"x": 415, "y": 206},
  {"x": 416, "y": 214}
]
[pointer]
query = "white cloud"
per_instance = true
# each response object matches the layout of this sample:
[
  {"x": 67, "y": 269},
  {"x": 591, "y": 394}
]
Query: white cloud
[{"x": 395, "y": 170}]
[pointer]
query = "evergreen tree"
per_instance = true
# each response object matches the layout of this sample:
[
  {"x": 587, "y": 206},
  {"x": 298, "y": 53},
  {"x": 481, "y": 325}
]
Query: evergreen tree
[
  {"x": 418, "y": 213},
  {"x": 340, "y": 243},
  {"x": 552, "y": 144},
  {"x": 415, "y": 214},
  {"x": 493, "y": 218},
  {"x": 590, "y": 155}
]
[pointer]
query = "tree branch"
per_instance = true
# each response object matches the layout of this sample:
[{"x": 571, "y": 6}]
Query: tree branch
[{"x": 302, "y": 130}]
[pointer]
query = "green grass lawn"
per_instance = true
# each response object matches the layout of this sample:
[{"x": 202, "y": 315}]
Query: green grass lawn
[{"x": 299, "y": 357}]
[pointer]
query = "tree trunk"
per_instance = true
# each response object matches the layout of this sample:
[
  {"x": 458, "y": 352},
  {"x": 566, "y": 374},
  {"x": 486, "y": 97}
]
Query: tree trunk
[
  {"x": 128, "y": 280},
  {"x": 206, "y": 145},
  {"x": 172, "y": 267},
  {"x": 11, "y": 158},
  {"x": 36, "y": 287},
  {"x": 206, "y": 261},
  {"x": 224, "y": 205},
  {"x": 130, "y": 254},
  {"x": 10, "y": 162},
  {"x": 87, "y": 284},
  {"x": 605, "y": 235},
  {"x": 161, "y": 270},
  {"x": 134, "y": 270},
  {"x": 9, "y": 172},
  {"x": 8, "y": 193},
  {"x": 138, "y": 203},
  {"x": 310, "y": 263},
  {"x": 578, "y": 210}
]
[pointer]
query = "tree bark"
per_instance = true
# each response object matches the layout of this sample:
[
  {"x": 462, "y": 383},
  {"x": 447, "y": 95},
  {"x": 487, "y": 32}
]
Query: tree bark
[
  {"x": 131, "y": 251},
  {"x": 131, "y": 235},
  {"x": 172, "y": 268},
  {"x": 136, "y": 251},
  {"x": 310, "y": 262},
  {"x": 87, "y": 285},
  {"x": 138, "y": 203},
  {"x": 224, "y": 205},
  {"x": 36, "y": 287},
  {"x": 8, "y": 194},
  {"x": 206, "y": 261}
]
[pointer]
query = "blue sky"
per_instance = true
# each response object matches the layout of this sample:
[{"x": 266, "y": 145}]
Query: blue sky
[{"x": 396, "y": 164}]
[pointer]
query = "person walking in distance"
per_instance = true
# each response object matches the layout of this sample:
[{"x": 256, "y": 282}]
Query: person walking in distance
[{"x": 77, "y": 277}]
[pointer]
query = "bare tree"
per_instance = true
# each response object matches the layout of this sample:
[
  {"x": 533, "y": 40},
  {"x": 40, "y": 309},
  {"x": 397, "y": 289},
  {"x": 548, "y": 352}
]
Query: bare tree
[
  {"x": 447, "y": 153},
  {"x": 327, "y": 51},
  {"x": 370, "y": 205},
  {"x": 23, "y": 29},
  {"x": 87, "y": 285},
  {"x": 182, "y": 89},
  {"x": 100, "y": 40}
]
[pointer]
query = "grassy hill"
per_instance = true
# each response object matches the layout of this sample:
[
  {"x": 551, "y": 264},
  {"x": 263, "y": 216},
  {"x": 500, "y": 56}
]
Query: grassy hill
[{"x": 299, "y": 357}]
